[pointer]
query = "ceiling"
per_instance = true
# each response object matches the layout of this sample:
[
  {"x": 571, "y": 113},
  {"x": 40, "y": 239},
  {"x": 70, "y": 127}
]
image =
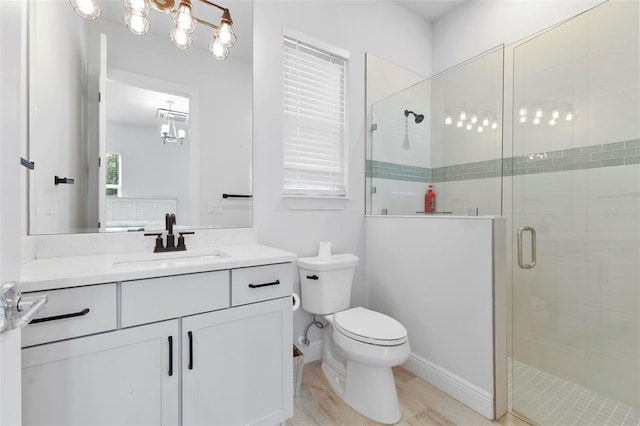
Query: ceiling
[
  {"x": 137, "y": 106},
  {"x": 431, "y": 10}
]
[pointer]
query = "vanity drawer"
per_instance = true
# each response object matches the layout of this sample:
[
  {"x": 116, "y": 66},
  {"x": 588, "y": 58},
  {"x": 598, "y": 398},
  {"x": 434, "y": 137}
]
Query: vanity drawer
[
  {"x": 156, "y": 299},
  {"x": 249, "y": 285},
  {"x": 84, "y": 310}
]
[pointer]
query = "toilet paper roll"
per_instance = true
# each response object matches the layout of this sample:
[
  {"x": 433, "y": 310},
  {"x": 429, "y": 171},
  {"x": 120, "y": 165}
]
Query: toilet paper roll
[
  {"x": 324, "y": 250},
  {"x": 296, "y": 301}
]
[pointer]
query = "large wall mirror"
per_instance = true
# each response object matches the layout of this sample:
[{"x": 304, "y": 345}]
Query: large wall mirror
[{"x": 125, "y": 128}]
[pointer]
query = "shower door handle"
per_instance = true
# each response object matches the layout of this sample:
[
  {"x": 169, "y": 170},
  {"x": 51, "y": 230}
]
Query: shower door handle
[{"x": 533, "y": 247}]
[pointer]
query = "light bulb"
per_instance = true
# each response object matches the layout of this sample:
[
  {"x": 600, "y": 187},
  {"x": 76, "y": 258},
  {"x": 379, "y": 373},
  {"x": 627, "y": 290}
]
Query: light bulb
[
  {"x": 494, "y": 125},
  {"x": 555, "y": 114},
  {"x": 137, "y": 24},
  {"x": 569, "y": 116},
  {"x": 137, "y": 7},
  {"x": 463, "y": 115},
  {"x": 552, "y": 122},
  {"x": 181, "y": 133},
  {"x": 480, "y": 129},
  {"x": 183, "y": 18},
  {"x": 523, "y": 119},
  {"x": 538, "y": 113},
  {"x": 180, "y": 39},
  {"x": 217, "y": 50},
  {"x": 448, "y": 120},
  {"x": 474, "y": 119},
  {"x": 164, "y": 129},
  {"x": 469, "y": 126},
  {"x": 536, "y": 120},
  {"x": 459, "y": 124},
  {"x": 523, "y": 112},
  {"x": 225, "y": 34},
  {"x": 485, "y": 122},
  {"x": 88, "y": 9}
]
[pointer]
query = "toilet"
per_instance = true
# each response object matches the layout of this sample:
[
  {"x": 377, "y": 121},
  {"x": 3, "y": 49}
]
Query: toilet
[{"x": 359, "y": 345}]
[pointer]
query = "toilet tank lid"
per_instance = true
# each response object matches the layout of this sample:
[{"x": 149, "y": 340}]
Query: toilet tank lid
[{"x": 336, "y": 261}]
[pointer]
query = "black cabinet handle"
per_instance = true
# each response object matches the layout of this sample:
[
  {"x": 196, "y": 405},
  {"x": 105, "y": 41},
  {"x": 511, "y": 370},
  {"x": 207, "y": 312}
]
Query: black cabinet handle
[
  {"x": 83, "y": 312},
  {"x": 170, "y": 355},
  {"x": 276, "y": 282},
  {"x": 312, "y": 277},
  {"x": 190, "y": 334}
]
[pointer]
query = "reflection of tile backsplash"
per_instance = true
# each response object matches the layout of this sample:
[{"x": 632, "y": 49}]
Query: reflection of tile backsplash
[{"x": 589, "y": 157}]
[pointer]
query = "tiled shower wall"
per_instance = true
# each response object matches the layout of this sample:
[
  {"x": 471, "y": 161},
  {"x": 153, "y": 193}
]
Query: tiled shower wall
[{"x": 406, "y": 177}]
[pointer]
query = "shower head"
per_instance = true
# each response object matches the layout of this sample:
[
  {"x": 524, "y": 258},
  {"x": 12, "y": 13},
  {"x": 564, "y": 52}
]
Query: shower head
[{"x": 418, "y": 117}]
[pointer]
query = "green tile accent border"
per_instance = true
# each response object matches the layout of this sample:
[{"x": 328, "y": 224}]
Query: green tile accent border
[
  {"x": 383, "y": 170},
  {"x": 589, "y": 157}
]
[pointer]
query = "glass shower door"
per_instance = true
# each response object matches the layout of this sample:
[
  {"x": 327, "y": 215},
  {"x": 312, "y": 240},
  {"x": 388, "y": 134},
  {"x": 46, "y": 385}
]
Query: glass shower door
[{"x": 576, "y": 221}]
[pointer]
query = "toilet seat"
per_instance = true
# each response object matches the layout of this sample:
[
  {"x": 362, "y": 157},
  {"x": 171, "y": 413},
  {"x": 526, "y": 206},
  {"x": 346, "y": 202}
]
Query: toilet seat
[{"x": 370, "y": 327}]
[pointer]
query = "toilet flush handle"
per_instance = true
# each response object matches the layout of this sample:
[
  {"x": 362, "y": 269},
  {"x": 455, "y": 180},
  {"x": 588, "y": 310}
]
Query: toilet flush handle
[{"x": 312, "y": 277}]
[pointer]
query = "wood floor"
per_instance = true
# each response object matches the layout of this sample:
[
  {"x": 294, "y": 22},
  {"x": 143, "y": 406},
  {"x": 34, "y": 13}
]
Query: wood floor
[{"x": 421, "y": 404}]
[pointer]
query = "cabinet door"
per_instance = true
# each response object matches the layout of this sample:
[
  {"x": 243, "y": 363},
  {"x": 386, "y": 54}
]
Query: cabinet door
[
  {"x": 237, "y": 365},
  {"x": 118, "y": 378}
]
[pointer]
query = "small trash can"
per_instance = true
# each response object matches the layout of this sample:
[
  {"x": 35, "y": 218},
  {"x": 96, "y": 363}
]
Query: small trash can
[{"x": 298, "y": 364}]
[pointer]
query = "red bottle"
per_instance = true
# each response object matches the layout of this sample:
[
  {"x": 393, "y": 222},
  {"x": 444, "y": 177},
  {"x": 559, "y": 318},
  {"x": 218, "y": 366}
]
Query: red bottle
[{"x": 430, "y": 200}]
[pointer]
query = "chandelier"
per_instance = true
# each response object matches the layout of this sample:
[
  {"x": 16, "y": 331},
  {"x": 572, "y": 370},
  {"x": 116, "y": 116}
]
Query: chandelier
[
  {"x": 168, "y": 131},
  {"x": 184, "y": 21}
]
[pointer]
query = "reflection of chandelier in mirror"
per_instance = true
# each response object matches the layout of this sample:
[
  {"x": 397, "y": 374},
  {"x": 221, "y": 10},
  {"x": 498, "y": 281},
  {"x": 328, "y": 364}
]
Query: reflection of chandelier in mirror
[
  {"x": 183, "y": 19},
  {"x": 168, "y": 131}
]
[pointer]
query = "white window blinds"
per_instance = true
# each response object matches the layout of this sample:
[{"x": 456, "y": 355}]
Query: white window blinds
[{"x": 314, "y": 121}]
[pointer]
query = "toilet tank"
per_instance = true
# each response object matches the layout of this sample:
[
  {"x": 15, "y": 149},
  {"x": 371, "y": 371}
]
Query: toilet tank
[{"x": 325, "y": 283}]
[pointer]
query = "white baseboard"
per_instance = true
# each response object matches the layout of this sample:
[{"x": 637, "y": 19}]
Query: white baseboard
[
  {"x": 469, "y": 394},
  {"x": 313, "y": 352}
]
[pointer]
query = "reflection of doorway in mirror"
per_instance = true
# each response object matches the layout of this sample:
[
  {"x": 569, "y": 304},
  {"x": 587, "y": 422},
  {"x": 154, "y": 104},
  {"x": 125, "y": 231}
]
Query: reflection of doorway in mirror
[{"x": 149, "y": 128}]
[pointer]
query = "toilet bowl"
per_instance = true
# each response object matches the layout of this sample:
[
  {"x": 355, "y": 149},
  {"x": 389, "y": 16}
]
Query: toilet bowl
[{"x": 359, "y": 345}]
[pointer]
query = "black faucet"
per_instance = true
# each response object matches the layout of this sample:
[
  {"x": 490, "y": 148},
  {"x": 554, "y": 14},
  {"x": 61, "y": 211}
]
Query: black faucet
[{"x": 169, "y": 221}]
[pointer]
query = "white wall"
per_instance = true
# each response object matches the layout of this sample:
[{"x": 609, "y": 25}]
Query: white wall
[
  {"x": 436, "y": 276},
  {"x": 477, "y": 26},
  {"x": 359, "y": 27}
]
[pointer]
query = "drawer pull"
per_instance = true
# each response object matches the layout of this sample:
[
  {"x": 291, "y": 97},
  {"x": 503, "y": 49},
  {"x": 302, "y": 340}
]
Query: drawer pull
[
  {"x": 312, "y": 277},
  {"x": 170, "y": 355},
  {"x": 190, "y": 334},
  {"x": 82, "y": 313},
  {"x": 276, "y": 282}
]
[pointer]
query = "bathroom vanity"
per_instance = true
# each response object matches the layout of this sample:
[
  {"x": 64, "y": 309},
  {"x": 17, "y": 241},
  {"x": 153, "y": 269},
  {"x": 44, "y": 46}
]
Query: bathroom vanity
[{"x": 201, "y": 338}]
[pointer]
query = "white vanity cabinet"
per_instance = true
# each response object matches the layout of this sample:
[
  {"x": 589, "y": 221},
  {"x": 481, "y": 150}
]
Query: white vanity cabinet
[
  {"x": 234, "y": 371},
  {"x": 122, "y": 378},
  {"x": 184, "y": 351}
]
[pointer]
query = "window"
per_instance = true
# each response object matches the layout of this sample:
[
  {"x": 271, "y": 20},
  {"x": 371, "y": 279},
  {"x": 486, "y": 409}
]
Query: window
[
  {"x": 314, "y": 119},
  {"x": 114, "y": 175}
]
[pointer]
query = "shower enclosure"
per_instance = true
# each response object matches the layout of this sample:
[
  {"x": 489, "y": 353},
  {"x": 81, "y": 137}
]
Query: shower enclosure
[
  {"x": 457, "y": 148},
  {"x": 567, "y": 178},
  {"x": 576, "y": 194}
]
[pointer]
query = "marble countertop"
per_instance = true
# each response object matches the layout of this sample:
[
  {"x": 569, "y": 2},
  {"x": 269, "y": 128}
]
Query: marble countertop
[{"x": 73, "y": 271}]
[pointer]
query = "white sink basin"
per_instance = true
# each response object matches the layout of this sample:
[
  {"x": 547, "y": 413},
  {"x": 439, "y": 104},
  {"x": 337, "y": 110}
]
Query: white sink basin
[{"x": 170, "y": 259}]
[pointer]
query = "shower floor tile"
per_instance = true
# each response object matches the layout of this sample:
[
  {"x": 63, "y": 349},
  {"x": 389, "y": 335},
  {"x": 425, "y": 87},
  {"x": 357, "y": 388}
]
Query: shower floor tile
[{"x": 550, "y": 400}]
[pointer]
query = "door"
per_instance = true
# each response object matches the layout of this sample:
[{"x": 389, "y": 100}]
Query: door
[
  {"x": 12, "y": 110},
  {"x": 125, "y": 377},
  {"x": 237, "y": 365},
  {"x": 576, "y": 221}
]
